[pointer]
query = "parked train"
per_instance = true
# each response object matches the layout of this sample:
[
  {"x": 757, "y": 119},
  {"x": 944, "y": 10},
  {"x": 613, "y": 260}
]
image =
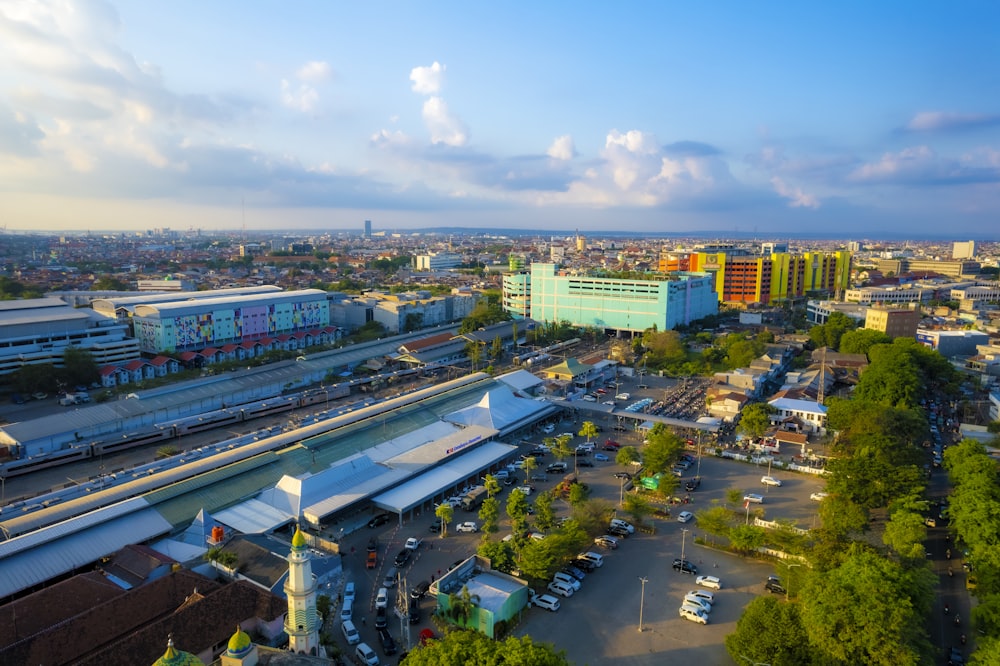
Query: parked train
[
  {"x": 546, "y": 353},
  {"x": 176, "y": 428}
]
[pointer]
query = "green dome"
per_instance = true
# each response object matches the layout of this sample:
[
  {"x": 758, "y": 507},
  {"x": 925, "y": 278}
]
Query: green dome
[
  {"x": 239, "y": 643},
  {"x": 175, "y": 657},
  {"x": 298, "y": 539}
]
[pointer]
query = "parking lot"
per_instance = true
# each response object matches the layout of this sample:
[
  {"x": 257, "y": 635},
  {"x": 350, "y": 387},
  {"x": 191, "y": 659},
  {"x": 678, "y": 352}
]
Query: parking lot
[{"x": 600, "y": 622}]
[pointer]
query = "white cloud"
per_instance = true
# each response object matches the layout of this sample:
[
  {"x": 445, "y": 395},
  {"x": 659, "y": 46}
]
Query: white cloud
[
  {"x": 796, "y": 197},
  {"x": 444, "y": 126},
  {"x": 427, "y": 80},
  {"x": 301, "y": 98},
  {"x": 931, "y": 121},
  {"x": 562, "y": 148},
  {"x": 907, "y": 160},
  {"x": 315, "y": 71}
]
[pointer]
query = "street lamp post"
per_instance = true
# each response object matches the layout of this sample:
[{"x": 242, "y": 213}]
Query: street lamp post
[
  {"x": 788, "y": 585},
  {"x": 621, "y": 492},
  {"x": 684, "y": 532},
  {"x": 642, "y": 599}
]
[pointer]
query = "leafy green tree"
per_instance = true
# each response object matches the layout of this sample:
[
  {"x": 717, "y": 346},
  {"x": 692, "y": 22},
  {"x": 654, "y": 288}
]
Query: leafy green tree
[
  {"x": 500, "y": 554},
  {"x": 544, "y": 515},
  {"x": 79, "y": 367},
  {"x": 592, "y": 516},
  {"x": 638, "y": 507},
  {"x": 578, "y": 494},
  {"x": 716, "y": 520},
  {"x": 829, "y": 334},
  {"x": 734, "y": 497},
  {"x": 491, "y": 484},
  {"x": 905, "y": 534},
  {"x": 489, "y": 514},
  {"x": 445, "y": 512},
  {"x": 770, "y": 632},
  {"x": 860, "y": 340},
  {"x": 746, "y": 539},
  {"x": 474, "y": 351},
  {"x": 740, "y": 354},
  {"x": 868, "y": 610},
  {"x": 588, "y": 430},
  {"x": 987, "y": 651},
  {"x": 560, "y": 446},
  {"x": 530, "y": 463},
  {"x": 755, "y": 420},
  {"x": 517, "y": 511},
  {"x": 627, "y": 455},
  {"x": 463, "y": 647},
  {"x": 496, "y": 350},
  {"x": 662, "y": 450}
]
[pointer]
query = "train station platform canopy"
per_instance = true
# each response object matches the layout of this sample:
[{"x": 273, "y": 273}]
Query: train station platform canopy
[
  {"x": 433, "y": 483},
  {"x": 501, "y": 410}
]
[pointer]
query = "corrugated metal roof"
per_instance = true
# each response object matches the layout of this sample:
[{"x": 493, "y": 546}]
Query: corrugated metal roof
[
  {"x": 428, "y": 485},
  {"x": 85, "y": 521},
  {"x": 253, "y": 517},
  {"x": 60, "y": 556}
]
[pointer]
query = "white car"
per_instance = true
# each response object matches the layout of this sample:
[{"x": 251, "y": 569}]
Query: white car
[
  {"x": 382, "y": 598},
  {"x": 622, "y": 396},
  {"x": 693, "y": 615},
  {"x": 684, "y": 516},
  {"x": 413, "y": 543},
  {"x": 819, "y": 497},
  {"x": 770, "y": 481},
  {"x": 709, "y": 581},
  {"x": 467, "y": 526},
  {"x": 623, "y": 524},
  {"x": 349, "y": 591},
  {"x": 696, "y": 601},
  {"x": 704, "y": 595},
  {"x": 522, "y": 489},
  {"x": 753, "y": 498},
  {"x": 566, "y": 579},
  {"x": 560, "y": 588},
  {"x": 546, "y": 601}
]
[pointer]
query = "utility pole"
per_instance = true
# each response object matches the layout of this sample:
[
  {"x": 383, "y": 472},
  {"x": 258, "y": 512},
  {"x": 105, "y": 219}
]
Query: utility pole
[
  {"x": 642, "y": 599},
  {"x": 684, "y": 532}
]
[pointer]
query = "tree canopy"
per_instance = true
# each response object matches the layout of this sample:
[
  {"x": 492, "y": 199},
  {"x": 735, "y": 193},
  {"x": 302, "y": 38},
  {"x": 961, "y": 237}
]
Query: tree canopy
[{"x": 460, "y": 648}]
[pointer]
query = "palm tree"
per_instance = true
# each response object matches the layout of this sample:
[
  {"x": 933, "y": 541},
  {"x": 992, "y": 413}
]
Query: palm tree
[
  {"x": 588, "y": 430},
  {"x": 491, "y": 484},
  {"x": 445, "y": 513}
]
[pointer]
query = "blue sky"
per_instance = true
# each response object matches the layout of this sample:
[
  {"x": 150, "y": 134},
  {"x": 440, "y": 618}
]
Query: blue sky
[{"x": 864, "y": 119}]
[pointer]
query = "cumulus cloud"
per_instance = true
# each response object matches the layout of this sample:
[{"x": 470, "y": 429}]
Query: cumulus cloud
[
  {"x": 315, "y": 71},
  {"x": 444, "y": 126},
  {"x": 562, "y": 148},
  {"x": 427, "y": 80},
  {"x": 19, "y": 134},
  {"x": 942, "y": 121},
  {"x": 796, "y": 197},
  {"x": 299, "y": 97}
]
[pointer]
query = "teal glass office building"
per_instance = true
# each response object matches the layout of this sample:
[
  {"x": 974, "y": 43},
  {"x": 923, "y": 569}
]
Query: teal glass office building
[{"x": 609, "y": 303}]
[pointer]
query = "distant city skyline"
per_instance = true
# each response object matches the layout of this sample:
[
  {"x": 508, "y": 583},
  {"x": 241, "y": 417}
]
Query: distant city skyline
[{"x": 785, "y": 119}]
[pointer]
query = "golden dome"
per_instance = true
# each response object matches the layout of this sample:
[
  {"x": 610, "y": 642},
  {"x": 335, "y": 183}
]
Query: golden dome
[{"x": 298, "y": 539}]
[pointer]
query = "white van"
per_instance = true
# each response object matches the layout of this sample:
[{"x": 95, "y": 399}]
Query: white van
[
  {"x": 594, "y": 558},
  {"x": 351, "y": 634},
  {"x": 347, "y": 612},
  {"x": 366, "y": 655}
]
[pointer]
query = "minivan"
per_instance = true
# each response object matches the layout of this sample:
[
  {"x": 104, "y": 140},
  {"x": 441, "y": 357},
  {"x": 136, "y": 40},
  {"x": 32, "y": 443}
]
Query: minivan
[
  {"x": 594, "y": 558},
  {"x": 351, "y": 634},
  {"x": 366, "y": 655},
  {"x": 347, "y": 612}
]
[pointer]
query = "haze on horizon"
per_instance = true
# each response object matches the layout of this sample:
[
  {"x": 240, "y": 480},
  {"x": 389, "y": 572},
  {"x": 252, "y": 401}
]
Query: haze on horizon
[{"x": 853, "y": 118}]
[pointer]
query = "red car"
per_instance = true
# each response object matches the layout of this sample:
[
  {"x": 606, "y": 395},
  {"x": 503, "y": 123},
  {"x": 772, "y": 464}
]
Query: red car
[{"x": 611, "y": 445}]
